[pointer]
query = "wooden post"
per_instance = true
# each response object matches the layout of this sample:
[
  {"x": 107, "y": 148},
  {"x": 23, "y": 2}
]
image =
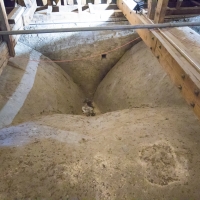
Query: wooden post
[
  {"x": 92, "y": 11},
  {"x": 44, "y": 2},
  {"x": 151, "y": 8},
  {"x": 15, "y": 14},
  {"x": 160, "y": 11},
  {"x": 5, "y": 27},
  {"x": 97, "y": 1},
  {"x": 83, "y": 2},
  {"x": 178, "y": 4},
  {"x": 70, "y": 2},
  {"x": 79, "y": 6},
  {"x": 29, "y": 12}
]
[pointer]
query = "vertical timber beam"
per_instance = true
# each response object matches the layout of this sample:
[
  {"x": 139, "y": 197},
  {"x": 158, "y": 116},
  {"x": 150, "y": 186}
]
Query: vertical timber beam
[
  {"x": 178, "y": 4},
  {"x": 97, "y": 1},
  {"x": 151, "y": 8},
  {"x": 5, "y": 27},
  {"x": 79, "y": 6},
  {"x": 70, "y": 2},
  {"x": 91, "y": 8},
  {"x": 160, "y": 11},
  {"x": 83, "y": 2}
]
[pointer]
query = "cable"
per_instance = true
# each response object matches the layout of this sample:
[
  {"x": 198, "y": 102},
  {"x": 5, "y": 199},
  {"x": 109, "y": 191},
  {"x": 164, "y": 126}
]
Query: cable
[{"x": 78, "y": 59}]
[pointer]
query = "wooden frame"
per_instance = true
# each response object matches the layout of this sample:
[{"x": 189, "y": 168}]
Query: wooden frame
[
  {"x": 151, "y": 8},
  {"x": 5, "y": 27},
  {"x": 161, "y": 11},
  {"x": 182, "y": 72}
]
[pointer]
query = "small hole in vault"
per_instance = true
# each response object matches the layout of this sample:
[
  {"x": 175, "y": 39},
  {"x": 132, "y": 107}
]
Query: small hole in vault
[{"x": 103, "y": 56}]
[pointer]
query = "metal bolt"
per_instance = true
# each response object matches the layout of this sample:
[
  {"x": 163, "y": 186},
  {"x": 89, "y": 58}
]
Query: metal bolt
[
  {"x": 180, "y": 87},
  {"x": 196, "y": 92},
  {"x": 183, "y": 76}
]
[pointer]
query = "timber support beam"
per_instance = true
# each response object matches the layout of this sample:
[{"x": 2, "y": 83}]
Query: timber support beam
[
  {"x": 161, "y": 11},
  {"x": 152, "y": 4},
  {"x": 4, "y": 26},
  {"x": 184, "y": 74}
]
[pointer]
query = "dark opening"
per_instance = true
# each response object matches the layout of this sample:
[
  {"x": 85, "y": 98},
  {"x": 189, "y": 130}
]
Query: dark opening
[{"x": 103, "y": 56}]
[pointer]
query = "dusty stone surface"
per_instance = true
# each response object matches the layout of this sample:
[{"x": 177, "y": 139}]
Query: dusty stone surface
[
  {"x": 144, "y": 153},
  {"x": 149, "y": 151},
  {"x": 137, "y": 80},
  {"x": 30, "y": 88},
  {"x": 87, "y": 73},
  {"x": 162, "y": 166}
]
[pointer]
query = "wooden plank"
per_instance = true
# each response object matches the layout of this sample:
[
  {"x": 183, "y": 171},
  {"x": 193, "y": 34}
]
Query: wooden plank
[
  {"x": 44, "y": 2},
  {"x": 4, "y": 56},
  {"x": 17, "y": 26},
  {"x": 21, "y": 2},
  {"x": 181, "y": 48},
  {"x": 5, "y": 27},
  {"x": 79, "y": 6},
  {"x": 15, "y": 14},
  {"x": 55, "y": 8},
  {"x": 65, "y": 2},
  {"x": 97, "y": 1},
  {"x": 102, "y": 16},
  {"x": 184, "y": 75},
  {"x": 8, "y": 10},
  {"x": 29, "y": 12},
  {"x": 183, "y": 11},
  {"x": 83, "y": 2},
  {"x": 178, "y": 4},
  {"x": 172, "y": 17},
  {"x": 70, "y": 2},
  {"x": 39, "y": 8},
  {"x": 160, "y": 11},
  {"x": 58, "y": 2},
  {"x": 151, "y": 8},
  {"x": 92, "y": 11},
  {"x": 71, "y": 8}
]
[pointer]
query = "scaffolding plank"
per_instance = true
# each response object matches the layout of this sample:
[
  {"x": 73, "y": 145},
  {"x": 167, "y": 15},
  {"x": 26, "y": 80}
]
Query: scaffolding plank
[
  {"x": 29, "y": 12},
  {"x": 15, "y": 14}
]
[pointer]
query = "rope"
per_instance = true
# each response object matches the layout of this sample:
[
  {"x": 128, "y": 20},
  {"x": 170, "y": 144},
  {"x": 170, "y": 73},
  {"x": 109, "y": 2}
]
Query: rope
[{"x": 78, "y": 59}]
